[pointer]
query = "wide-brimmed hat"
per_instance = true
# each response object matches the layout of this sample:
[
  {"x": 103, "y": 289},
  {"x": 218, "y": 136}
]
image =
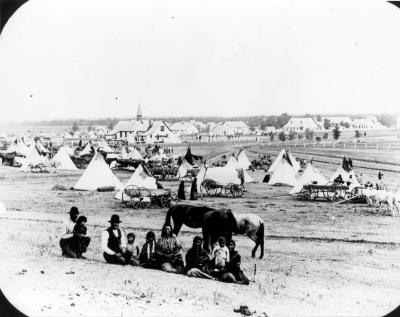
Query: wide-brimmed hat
[
  {"x": 73, "y": 210},
  {"x": 114, "y": 219}
]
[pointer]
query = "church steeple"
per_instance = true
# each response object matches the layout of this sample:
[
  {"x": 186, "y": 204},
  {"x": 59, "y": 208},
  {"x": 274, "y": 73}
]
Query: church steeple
[{"x": 139, "y": 114}]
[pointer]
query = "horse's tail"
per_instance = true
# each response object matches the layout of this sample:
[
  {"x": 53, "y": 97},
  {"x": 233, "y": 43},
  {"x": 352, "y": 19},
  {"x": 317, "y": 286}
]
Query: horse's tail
[{"x": 169, "y": 216}]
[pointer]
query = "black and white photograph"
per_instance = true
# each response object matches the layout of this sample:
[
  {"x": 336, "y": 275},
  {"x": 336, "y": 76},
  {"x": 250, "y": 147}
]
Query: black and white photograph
[{"x": 199, "y": 158}]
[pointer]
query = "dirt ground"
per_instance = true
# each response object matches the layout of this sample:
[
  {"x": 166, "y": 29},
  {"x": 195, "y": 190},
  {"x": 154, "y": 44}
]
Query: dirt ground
[{"x": 321, "y": 258}]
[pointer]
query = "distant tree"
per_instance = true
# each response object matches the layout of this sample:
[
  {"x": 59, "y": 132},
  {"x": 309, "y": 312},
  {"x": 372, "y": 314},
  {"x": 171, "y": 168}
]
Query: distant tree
[
  {"x": 292, "y": 135},
  {"x": 75, "y": 126},
  {"x": 271, "y": 136},
  {"x": 309, "y": 134},
  {"x": 346, "y": 125},
  {"x": 325, "y": 135},
  {"x": 111, "y": 123},
  {"x": 282, "y": 120},
  {"x": 327, "y": 124},
  {"x": 318, "y": 139},
  {"x": 387, "y": 119},
  {"x": 300, "y": 136},
  {"x": 282, "y": 136},
  {"x": 318, "y": 117},
  {"x": 336, "y": 133},
  {"x": 357, "y": 134}
]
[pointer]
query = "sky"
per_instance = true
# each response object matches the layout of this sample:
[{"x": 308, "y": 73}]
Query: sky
[{"x": 100, "y": 58}]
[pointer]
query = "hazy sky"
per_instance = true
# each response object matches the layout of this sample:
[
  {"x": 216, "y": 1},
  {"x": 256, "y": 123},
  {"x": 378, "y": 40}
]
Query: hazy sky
[{"x": 99, "y": 58}]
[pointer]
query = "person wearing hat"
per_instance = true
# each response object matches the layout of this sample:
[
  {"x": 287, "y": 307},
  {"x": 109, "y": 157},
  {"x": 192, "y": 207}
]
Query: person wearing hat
[
  {"x": 67, "y": 241},
  {"x": 113, "y": 243}
]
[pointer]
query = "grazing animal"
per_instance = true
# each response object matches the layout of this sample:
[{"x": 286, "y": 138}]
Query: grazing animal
[
  {"x": 223, "y": 222},
  {"x": 216, "y": 223},
  {"x": 379, "y": 197},
  {"x": 191, "y": 216}
]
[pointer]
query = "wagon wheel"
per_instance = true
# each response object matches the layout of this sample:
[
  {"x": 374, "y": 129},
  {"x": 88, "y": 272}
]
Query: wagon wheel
[
  {"x": 233, "y": 190},
  {"x": 165, "y": 200},
  {"x": 327, "y": 195},
  {"x": 145, "y": 198},
  {"x": 211, "y": 187},
  {"x": 130, "y": 196}
]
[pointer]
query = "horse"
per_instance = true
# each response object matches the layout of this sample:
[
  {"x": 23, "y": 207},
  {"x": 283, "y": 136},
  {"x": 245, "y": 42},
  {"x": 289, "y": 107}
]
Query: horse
[
  {"x": 379, "y": 197},
  {"x": 191, "y": 216},
  {"x": 224, "y": 222}
]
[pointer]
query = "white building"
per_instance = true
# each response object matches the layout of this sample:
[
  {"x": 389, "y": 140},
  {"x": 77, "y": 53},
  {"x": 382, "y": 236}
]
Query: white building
[
  {"x": 337, "y": 120},
  {"x": 301, "y": 124},
  {"x": 158, "y": 132},
  {"x": 270, "y": 129},
  {"x": 366, "y": 124},
  {"x": 131, "y": 128},
  {"x": 184, "y": 128},
  {"x": 230, "y": 128}
]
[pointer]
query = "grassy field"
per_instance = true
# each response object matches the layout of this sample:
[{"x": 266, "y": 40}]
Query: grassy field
[{"x": 321, "y": 259}]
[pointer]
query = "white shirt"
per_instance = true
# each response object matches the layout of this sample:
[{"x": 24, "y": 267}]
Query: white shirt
[
  {"x": 104, "y": 241},
  {"x": 67, "y": 229}
]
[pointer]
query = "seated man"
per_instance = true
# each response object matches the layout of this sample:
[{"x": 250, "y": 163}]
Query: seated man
[
  {"x": 69, "y": 241},
  {"x": 113, "y": 243},
  {"x": 197, "y": 260}
]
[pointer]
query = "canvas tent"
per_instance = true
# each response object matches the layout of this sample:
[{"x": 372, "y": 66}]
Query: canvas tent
[
  {"x": 183, "y": 169},
  {"x": 289, "y": 158},
  {"x": 87, "y": 150},
  {"x": 243, "y": 160},
  {"x": 17, "y": 147},
  {"x": 33, "y": 158},
  {"x": 62, "y": 160},
  {"x": 345, "y": 170},
  {"x": 284, "y": 173},
  {"x": 139, "y": 178},
  {"x": 221, "y": 175},
  {"x": 311, "y": 175},
  {"x": 97, "y": 174},
  {"x": 235, "y": 164},
  {"x": 103, "y": 146}
]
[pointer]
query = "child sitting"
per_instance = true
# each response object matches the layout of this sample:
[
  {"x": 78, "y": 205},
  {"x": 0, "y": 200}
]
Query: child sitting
[
  {"x": 132, "y": 248},
  {"x": 147, "y": 257},
  {"x": 79, "y": 232},
  {"x": 220, "y": 254}
]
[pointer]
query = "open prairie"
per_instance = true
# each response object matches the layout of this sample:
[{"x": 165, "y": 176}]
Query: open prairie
[{"x": 321, "y": 258}]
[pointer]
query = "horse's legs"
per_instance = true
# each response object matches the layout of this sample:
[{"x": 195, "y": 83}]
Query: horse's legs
[
  {"x": 206, "y": 238},
  {"x": 253, "y": 252},
  {"x": 177, "y": 228}
]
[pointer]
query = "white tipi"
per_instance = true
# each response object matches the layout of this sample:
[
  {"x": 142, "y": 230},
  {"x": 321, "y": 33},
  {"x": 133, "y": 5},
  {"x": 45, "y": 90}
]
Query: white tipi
[
  {"x": 97, "y": 175},
  {"x": 140, "y": 179},
  {"x": 243, "y": 160},
  {"x": 235, "y": 164},
  {"x": 62, "y": 160},
  {"x": 284, "y": 173},
  {"x": 311, "y": 175},
  {"x": 278, "y": 159},
  {"x": 33, "y": 158}
]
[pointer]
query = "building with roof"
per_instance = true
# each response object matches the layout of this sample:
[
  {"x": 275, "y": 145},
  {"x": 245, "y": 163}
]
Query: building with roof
[
  {"x": 230, "y": 128},
  {"x": 158, "y": 132},
  {"x": 184, "y": 128},
  {"x": 366, "y": 124},
  {"x": 131, "y": 128},
  {"x": 301, "y": 124},
  {"x": 336, "y": 120}
]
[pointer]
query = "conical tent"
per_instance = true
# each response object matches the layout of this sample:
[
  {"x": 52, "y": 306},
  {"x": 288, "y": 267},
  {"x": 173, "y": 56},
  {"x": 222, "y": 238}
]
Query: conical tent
[
  {"x": 103, "y": 145},
  {"x": 18, "y": 147},
  {"x": 135, "y": 154},
  {"x": 97, "y": 175},
  {"x": 87, "y": 150},
  {"x": 289, "y": 157},
  {"x": 63, "y": 161},
  {"x": 183, "y": 168},
  {"x": 346, "y": 176},
  {"x": 140, "y": 179},
  {"x": 311, "y": 175},
  {"x": 243, "y": 160},
  {"x": 232, "y": 162},
  {"x": 33, "y": 158},
  {"x": 284, "y": 174},
  {"x": 68, "y": 150}
]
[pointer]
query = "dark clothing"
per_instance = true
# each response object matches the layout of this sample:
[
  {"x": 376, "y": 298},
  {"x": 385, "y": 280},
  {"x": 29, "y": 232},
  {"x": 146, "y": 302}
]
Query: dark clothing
[
  {"x": 181, "y": 191},
  {"x": 233, "y": 266},
  {"x": 193, "y": 190},
  {"x": 80, "y": 240},
  {"x": 114, "y": 242},
  {"x": 68, "y": 248},
  {"x": 197, "y": 258},
  {"x": 267, "y": 178},
  {"x": 169, "y": 246},
  {"x": 147, "y": 256},
  {"x": 115, "y": 259}
]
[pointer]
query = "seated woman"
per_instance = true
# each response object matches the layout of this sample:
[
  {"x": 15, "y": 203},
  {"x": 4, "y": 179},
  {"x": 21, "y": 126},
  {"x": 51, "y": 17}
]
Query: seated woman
[
  {"x": 233, "y": 266},
  {"x": 197, "y": 260},
  {"x": 168, "y": 251},
  {"x": 147, "y": 257}
]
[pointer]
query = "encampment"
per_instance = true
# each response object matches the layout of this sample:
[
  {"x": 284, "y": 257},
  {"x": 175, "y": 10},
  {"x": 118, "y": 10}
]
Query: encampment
[
  {"x": 311, "y": 175},
  {"x": 97, "y": 175}
]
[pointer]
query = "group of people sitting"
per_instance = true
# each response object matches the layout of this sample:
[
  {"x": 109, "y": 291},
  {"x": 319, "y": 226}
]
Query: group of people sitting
[{"x": 164, "y": 253}]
